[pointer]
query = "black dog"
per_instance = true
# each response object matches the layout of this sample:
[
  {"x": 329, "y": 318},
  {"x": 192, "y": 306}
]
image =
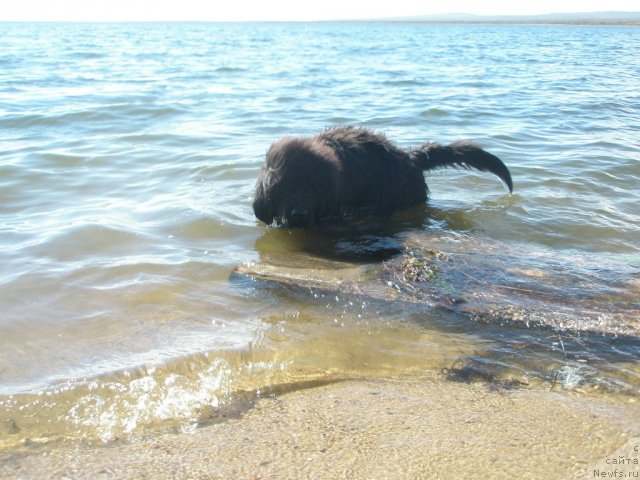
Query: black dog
[{"x": 307, "y": 180}]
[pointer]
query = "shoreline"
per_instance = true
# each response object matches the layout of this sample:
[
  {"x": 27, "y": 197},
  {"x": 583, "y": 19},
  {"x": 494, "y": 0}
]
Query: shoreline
[{"x": 412, "y": 428}]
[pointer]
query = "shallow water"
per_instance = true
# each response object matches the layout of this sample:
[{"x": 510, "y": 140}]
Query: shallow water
[{"x": 128, "y": 154}]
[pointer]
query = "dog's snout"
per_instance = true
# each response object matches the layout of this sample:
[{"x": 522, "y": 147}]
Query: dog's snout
[
  {"x": 299, "y": 213},
  {"x": 299, "y": 217}
]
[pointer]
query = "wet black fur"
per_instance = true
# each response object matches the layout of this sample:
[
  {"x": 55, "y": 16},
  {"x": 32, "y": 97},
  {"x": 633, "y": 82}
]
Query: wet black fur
[{"x": 307, "y": 180}]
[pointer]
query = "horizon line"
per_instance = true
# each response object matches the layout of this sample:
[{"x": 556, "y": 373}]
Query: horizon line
[{"x": 451, "y": 17}]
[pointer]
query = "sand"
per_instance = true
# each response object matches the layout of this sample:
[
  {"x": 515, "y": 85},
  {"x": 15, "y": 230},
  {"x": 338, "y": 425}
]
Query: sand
[{"x": 374, "y": 429}]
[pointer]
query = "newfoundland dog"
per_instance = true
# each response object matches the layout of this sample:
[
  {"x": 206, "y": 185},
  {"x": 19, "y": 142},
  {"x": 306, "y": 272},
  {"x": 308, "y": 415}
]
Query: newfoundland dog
[{"x": 344, "y": 169}]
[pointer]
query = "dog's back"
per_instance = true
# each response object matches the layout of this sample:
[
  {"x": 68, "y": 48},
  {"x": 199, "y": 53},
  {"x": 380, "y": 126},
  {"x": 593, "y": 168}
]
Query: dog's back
[{"x": 375, "y": 174}]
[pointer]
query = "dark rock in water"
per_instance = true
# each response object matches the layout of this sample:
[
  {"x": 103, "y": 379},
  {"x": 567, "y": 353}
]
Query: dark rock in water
[
  {"x": 490, "y": 281},
  {"x": 563, "y": 318}
]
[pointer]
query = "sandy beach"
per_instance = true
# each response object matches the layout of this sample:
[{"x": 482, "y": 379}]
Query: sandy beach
[{"x": 374, "y": 429}]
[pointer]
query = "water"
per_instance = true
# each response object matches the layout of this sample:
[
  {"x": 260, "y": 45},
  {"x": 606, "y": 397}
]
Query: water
[{"x": 128, "y": 154}]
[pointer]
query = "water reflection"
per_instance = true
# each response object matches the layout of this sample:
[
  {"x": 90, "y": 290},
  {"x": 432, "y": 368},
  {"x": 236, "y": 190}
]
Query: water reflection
[{"x": 362, "y": 238}]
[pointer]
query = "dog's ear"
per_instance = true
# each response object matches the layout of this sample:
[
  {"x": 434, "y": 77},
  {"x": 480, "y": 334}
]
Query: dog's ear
[{"x": 262, "y": 207}]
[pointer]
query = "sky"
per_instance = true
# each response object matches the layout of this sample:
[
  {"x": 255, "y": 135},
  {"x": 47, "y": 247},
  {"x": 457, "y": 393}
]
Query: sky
[{"x": 285, "y": 10}]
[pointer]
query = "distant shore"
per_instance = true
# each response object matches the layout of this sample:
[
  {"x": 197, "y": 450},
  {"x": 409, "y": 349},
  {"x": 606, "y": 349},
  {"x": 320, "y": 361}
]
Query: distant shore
[
  {"x": 587, "y": 19},
  {"x": 515, "y": 22}
]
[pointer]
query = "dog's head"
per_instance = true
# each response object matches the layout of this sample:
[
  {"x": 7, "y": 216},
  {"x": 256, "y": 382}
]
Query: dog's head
[{"x": 298, "y": 184}]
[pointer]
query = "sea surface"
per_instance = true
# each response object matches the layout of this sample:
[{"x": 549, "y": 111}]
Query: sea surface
[{"x": 128, "y": 156}]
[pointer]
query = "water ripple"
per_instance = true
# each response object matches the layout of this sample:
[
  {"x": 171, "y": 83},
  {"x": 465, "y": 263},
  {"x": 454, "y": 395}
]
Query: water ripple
[{"x": 129, "y": 155}]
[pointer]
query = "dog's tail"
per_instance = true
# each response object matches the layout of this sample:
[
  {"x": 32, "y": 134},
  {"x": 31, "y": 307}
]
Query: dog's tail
[{"x": 463, "y": 154}]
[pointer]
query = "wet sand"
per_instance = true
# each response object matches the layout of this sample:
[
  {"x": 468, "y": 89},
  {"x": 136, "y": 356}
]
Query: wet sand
[{"x": 427, "y": 428}]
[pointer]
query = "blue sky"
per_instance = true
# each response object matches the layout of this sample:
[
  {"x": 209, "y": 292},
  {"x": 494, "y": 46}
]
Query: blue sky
[{"x": 221, "y": 10}]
